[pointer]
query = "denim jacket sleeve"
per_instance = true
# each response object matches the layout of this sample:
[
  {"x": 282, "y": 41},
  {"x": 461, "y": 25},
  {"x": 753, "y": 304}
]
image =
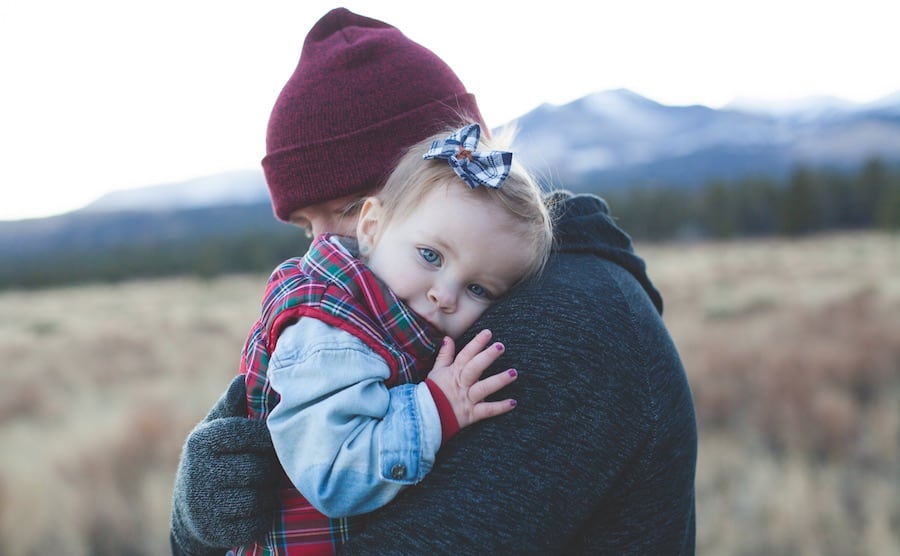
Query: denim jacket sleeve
[{"x": 348, "y": 442}]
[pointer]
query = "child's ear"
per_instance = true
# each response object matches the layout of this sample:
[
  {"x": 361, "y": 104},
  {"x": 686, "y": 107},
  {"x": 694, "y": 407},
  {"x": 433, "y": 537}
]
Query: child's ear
[{"x": 369, "y": 224}]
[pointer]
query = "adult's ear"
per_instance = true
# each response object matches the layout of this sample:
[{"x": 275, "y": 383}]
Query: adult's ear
[{"x": 369, "y": 225}]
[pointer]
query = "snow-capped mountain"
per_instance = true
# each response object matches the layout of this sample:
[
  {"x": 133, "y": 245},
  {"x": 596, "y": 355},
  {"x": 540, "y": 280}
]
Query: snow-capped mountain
[
  {"x": 615, "y": 139},
  {"x": 239, "y": 188}
]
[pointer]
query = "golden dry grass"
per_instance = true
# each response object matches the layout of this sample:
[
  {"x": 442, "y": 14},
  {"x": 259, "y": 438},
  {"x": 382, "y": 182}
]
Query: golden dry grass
[
  {"x": 792, "y": 350},
  {"x": 793, "y": 354},
  {"x": 103, "y": 383}
]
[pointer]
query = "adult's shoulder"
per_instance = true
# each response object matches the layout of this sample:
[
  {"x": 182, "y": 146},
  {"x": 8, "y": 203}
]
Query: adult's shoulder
[
  {"x": 583, "y": 224},
  {"x": 583, "y": 294},
  {"x": 587, "y": 321}
]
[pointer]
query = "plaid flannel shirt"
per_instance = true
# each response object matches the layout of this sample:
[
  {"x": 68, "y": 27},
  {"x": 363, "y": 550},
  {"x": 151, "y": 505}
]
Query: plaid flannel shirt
[{"x": 328, "y": 284}]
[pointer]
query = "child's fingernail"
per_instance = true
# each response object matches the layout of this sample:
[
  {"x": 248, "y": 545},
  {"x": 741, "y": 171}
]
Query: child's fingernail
[
  {"x": 512, "y": 372},
  {"x": 499, "y": 346},
  {"x": 444, "y": 341},
  {"x": 512, "y": 403}
]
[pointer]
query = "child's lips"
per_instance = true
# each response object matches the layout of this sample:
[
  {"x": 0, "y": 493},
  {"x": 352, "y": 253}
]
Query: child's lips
[{"x": 433, "y": 323}]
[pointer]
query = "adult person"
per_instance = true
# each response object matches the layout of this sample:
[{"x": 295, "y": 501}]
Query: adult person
[{"x": 599, "y": 455}]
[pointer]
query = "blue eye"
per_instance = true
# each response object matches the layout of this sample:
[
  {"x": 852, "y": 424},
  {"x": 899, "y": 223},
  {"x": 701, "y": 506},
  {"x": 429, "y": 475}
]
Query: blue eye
[
  {"x": 430, "y": 256},
  {"x": 479, "y": 291}
]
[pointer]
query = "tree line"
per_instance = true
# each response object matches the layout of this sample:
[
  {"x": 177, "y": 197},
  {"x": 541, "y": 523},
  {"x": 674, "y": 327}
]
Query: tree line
[
  {"x": 810, "y": 200},
  {"x": 208, "y": 257}
]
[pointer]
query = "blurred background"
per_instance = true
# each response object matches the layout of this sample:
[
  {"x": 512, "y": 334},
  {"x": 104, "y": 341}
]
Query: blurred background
[{"x": 752, "y": 151}]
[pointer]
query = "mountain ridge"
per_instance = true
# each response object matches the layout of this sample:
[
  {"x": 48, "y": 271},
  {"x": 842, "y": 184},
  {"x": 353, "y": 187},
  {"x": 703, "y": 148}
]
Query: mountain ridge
[{"x": 615, "y": 139}]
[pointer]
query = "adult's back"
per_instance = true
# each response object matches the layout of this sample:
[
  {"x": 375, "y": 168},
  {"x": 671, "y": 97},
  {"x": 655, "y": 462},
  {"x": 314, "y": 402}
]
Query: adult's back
[{"x": 599, "y": 455}]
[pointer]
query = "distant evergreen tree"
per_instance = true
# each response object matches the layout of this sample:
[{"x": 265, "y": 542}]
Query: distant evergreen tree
[
  {"x": 719, "y": 210},
  {"x": 887, "y": 214},
  {"x": 654, "y": 214},
  {"x": 800, "y": 209},
  {"x": 872, "y": 187},
  {"x": 756, "y": 206}
]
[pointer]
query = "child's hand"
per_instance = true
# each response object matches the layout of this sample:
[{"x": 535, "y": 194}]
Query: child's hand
[{"x": 459, "y": 380}]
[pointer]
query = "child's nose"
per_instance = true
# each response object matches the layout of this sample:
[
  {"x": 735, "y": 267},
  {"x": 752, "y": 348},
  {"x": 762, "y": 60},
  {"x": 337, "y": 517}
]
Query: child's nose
[{"x": 442, "y": 297}]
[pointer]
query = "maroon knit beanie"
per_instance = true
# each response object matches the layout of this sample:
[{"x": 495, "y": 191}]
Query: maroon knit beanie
[{"x": 362, "y": 92}]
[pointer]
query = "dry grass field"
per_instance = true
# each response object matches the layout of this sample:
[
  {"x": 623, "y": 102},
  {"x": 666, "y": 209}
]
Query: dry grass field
[{"x": 792, "y": 350}]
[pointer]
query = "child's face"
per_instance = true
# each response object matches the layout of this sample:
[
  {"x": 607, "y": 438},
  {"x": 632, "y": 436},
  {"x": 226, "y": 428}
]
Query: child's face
[{"x": 449, "y": 259}]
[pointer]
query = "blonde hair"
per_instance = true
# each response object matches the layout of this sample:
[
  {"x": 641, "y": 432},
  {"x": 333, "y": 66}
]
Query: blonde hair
[{"x": 519, "y": 196}]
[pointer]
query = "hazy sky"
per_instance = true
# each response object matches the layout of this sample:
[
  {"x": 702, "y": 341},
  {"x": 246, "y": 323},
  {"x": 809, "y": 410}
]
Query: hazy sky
[{"x": 98, "y": 96}]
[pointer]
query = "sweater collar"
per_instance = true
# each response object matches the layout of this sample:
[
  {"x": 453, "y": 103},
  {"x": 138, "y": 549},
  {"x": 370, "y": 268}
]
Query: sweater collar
[{"x": 584, "y": 225}]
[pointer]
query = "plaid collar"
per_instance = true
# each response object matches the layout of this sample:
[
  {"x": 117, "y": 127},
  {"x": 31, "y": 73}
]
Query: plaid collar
[{"x": 332, "y": 259}]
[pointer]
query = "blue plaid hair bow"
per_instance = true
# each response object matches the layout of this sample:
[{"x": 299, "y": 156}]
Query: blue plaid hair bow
[{"x": 487, "y": 168}]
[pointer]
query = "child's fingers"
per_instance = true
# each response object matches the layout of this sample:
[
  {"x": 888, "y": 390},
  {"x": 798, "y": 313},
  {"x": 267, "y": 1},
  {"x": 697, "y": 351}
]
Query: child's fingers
[
  {"x": 486, "y": 410},
  {"x": 445, "y": 354},
  {"x": 492, "y": 384},
  {"x": 475, "y": 345},
  {"x": 472, "y": 370}
]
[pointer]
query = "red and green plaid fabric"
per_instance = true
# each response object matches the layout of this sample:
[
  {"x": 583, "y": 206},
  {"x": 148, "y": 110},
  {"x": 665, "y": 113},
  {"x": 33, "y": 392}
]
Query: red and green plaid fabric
[{"x": 332, "y": 286}]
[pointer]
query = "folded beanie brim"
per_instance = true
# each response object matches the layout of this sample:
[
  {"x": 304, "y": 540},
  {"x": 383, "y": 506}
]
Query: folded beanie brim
[{"x": 312, "y": 173}]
